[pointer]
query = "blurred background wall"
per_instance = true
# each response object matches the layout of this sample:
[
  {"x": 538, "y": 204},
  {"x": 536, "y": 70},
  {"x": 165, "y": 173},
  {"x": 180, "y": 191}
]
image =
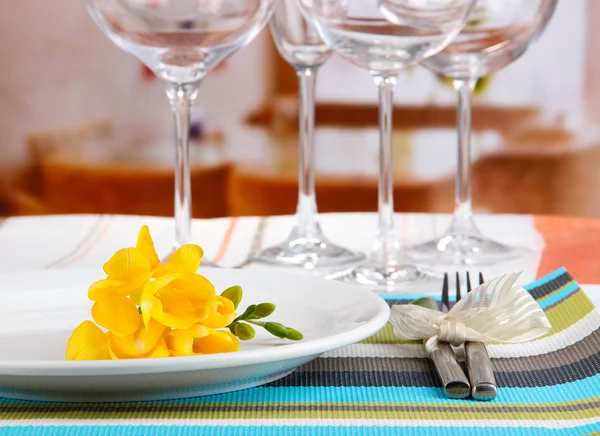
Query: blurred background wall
[{"x": 85, "y": 128}]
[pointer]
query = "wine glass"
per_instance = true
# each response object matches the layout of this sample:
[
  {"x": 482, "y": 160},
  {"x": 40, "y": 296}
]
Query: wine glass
[
  {"x": 360, "y": 32},
  {"x": 497, "y": 33},
  {"x": 300, "y": 45},
  {"x": 181, "y": 41}
]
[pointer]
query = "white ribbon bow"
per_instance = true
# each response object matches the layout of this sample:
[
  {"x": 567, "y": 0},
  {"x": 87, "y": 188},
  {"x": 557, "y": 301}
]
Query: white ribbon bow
[{"x": 496, "y": 311}]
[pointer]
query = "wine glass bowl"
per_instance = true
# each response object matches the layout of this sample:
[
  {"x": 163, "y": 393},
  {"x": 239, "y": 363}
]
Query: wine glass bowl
[
  {"x": 446, "y": 17},
  {"x": 180, "y": 40},
  {"x": 361, "y": 32},
  {"x": 496, "y": 34},
  {"x": 297, "y": 41}
]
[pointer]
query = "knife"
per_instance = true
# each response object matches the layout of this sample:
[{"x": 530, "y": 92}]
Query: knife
[
  {"x": 481, "y": 374},
  {"x": 479, "y": 365}
]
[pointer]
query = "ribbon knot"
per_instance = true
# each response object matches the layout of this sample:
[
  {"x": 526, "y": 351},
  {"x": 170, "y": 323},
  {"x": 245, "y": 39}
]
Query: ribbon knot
[
  {"x": 497, "y": 311},
  {"x": 452, "y": 331}
]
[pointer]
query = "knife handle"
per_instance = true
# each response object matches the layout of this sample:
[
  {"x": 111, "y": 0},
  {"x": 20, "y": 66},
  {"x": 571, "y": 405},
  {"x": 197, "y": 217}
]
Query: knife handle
[
  {"x": 455, "y": 382},
  {"x": 481, "y": 373}
]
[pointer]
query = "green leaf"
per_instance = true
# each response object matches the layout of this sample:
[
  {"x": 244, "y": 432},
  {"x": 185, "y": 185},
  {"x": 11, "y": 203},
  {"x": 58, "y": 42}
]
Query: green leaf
[
  {"x": 233, "y": 294},
  {"x": 277, "y": 329},
  {"x": 428, "y": 303},
  {"x": 140, "y": 310},
  {"x": 245, "y": 332},
  {"x": 263, "y": 310},
  {"x": 294, "y": 335}
]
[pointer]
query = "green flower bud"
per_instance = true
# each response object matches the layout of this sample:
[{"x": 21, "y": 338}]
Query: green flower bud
[
  {"x": 244, "y": 331},
  {"x": 294, "y": 335},
  {"x": 263, "y": 310},
  {"x": 276, "y": 329},
  {"x": 233, "y": 294}
]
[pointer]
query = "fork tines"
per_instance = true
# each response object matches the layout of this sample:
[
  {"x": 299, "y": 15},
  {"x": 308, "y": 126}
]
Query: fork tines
[{"x": 445, "y": 288}]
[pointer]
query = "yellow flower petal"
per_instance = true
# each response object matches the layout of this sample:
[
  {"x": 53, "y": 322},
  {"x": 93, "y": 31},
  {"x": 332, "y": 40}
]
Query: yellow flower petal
[
  {"x": 216, "y": 342},
  {"x": 115, "y": 353},
  {"x": 145, "y": 245},
  {"x": 127, "y": 264},
  {"x": 185, "y": 260},
  {"x": 181, "y": 342},
  {"x": 222, "y": 316},
  {"x": 88, "y": 342},
  {"x": 107, "y": 287},
  {"x": 178, "y": 300},
  {"x": 137, "y": 345},
  {"x": 160, "y": 351},
  {"x": 180, "y": 345},
  {"x": 103, "y": 288},
  {"x": 172, "y": 310},
  {"x": 196, "y": 331},
  {"x": 117, "y": 314}
]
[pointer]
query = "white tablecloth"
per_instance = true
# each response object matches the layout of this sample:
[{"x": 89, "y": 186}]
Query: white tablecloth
[{"x": 87, "y": 241}]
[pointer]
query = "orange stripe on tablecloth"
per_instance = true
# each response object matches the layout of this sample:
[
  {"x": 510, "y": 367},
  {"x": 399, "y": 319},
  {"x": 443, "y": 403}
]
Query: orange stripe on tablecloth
[
  {"x": 90, "y": 246},
  {"x": 573, "y": 243},
  {"x": 226, "y": 240}
]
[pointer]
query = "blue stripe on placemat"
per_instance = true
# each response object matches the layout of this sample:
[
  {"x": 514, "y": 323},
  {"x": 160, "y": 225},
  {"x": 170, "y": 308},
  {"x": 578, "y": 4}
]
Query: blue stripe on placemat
[
  {"x": 410, "y": 297},
  {"x": 294, "y": 431},
  {"x": 559, "y": 296},
  {"x": 546, "y": 279},
  {"x": 530, "y": 286},
  {"x": 578, "y": 390}
]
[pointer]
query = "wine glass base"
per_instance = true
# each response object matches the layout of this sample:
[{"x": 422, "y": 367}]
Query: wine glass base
[
  {"x": 465, "y": 250},
  {"x": 391, "y": 277},
  {"x": 305, "y": 253}
]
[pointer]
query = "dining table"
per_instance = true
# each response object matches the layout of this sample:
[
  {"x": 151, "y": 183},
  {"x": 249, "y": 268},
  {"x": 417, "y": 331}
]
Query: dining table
[{"x": 375, "y": 387}]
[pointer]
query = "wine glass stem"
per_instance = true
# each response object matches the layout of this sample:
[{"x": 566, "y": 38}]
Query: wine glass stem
[
  {"x": 181, "y": 97},
  {"x": 463, "y": 211},
  {"x": 386, "y": 248},
  {"x": 306, "y": 213}
]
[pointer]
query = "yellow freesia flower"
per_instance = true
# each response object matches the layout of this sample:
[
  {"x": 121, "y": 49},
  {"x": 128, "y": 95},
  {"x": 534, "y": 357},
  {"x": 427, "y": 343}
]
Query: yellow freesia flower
[
  {"x": 131, "y": 268},
  {"x": 145, "y": 309},
  {"x": 222, "y": 315},
  {"x": 88, "y": 342},
  {"x": 201, "y": 340},
  {"x": 178, "y": 300}
]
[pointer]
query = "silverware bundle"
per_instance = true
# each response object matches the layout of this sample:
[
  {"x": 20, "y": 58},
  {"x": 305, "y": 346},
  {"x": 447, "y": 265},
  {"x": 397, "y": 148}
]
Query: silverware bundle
[{"x": 481, "y": 383}]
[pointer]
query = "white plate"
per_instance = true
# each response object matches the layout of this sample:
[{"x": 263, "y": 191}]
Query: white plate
[{"x": 39, "y": 310}]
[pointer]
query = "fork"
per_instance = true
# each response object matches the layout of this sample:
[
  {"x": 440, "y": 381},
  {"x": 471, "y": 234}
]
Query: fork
[{"x": 479, "y": 365}]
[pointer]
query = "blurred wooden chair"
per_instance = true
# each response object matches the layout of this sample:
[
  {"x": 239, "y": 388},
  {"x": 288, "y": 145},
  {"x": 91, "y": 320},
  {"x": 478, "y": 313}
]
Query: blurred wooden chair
[
  {"x": 66, "y": 182},
  {"x": 256, "y": 194},
  {"x": 43, "y": 146},
  {"x": 283, "y": 111},
  {"x": 565, "y": 182},
  {"x": 116, "y": 189},
  {"x": 16, "y": 202}
]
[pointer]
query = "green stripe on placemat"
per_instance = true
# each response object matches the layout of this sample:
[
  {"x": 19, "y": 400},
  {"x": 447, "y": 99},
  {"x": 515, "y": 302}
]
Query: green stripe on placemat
[{"x": 557, "y": 389}]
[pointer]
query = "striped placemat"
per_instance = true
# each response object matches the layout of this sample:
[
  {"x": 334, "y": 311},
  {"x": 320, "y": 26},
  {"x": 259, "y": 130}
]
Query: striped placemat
[{"x": 381, "y": 386}]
